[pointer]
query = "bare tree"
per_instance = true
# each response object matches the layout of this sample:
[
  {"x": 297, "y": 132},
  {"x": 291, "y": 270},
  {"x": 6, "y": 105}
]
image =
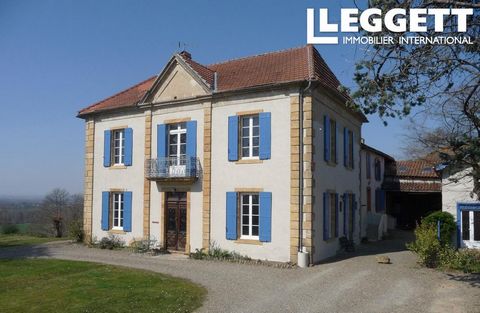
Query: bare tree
[{"x": 54, "y": 208}]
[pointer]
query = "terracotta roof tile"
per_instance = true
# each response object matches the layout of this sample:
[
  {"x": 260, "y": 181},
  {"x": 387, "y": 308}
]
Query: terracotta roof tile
[
  {"x": 412, "y": 168},
  {"x": 292, "y": 65},
  {"x": 413, "y": 186}
]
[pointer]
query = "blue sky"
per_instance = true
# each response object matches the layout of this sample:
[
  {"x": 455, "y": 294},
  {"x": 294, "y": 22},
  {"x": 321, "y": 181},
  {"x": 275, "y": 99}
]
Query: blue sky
[{"x": 59, "y": 56}]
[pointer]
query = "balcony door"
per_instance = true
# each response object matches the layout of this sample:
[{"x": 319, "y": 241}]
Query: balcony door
[{"x": 177, "y": 148}]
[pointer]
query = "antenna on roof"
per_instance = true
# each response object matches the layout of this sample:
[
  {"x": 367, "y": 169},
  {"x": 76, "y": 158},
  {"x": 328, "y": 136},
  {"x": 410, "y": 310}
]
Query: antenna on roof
[{"x": 181, "y": 46}]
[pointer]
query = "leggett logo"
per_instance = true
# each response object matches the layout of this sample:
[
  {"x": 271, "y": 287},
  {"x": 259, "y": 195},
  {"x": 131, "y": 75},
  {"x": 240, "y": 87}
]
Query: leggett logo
[{"x": 395, "y": 20}]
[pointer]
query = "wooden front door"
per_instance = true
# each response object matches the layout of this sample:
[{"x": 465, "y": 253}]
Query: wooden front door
[{"x": 176, "y": 220}]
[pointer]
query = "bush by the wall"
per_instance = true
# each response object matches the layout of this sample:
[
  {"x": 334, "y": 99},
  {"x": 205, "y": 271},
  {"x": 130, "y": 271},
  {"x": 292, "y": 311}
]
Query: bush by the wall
[
  {"x": 426, "y": 245},
  {"x": 75, "y": 230},
  {"x": 447, "y": 225},
  {"x": 111, "y": 242}
]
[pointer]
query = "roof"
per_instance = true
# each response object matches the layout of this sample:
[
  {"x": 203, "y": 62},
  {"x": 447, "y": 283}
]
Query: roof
[
  {"x": 410, "y": 186},
  {"x": 286, "y": 66},
  {"x": 412, "y": 168},
  {"x": 383, "y": 154}
]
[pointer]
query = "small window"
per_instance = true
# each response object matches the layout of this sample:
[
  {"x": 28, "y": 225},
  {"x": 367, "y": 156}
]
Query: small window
[
  {"x": 177, "y": 143},
  {"x": 378, "y": 169},
  {"x": 250, "y": 136},
  {"x": 118, "y": 145},
  {"x": 368, "y": 165},
  {"x": 249, "y": 224},
  {"x": 350, "y": 149},
  {"x": 369, "y": 199},
  {"x": 333, "y": 141},
  {"x": 117, "y": 210},
  {"x": 332, "y": 198}
]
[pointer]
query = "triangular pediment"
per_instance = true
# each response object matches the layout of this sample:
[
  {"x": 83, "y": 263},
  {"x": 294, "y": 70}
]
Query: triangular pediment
[{"x": 177, "y": 81}]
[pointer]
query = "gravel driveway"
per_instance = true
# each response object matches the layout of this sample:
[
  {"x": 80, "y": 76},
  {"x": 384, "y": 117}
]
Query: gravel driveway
[{"x": 349, "y": 283}]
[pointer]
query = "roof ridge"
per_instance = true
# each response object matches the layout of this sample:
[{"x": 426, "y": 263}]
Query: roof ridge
[
  {"x": 118, "y": 93},
  {"x": 256, "y": 55}
]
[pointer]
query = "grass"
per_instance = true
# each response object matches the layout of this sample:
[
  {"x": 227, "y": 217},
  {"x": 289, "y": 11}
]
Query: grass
[
  {"x": 24, "y": 240},
  {"x": 36, "y": 285}
]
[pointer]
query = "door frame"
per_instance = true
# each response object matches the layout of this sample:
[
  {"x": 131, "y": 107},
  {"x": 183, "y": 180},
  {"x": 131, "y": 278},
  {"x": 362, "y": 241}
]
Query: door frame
[
  {"x": 163, "y": 213},
  {"x": 462, "y": 206}
]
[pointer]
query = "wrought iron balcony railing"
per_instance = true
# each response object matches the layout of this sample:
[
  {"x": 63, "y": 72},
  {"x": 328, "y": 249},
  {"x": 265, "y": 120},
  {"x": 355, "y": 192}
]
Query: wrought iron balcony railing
[{"x": 172, "y": 168}]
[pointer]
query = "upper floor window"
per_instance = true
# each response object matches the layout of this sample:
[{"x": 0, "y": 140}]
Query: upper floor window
[
  {"x": 368, "y": 165},
  {"x": 350, "y": 149},
  {"x": 250, "y": 133},
  {"x": 333, "y": 141},
  {"x": 330, "y": 140},
  {"x": 177, "y": 143},
  {"x": 378, "y": 169},
  {"x": 118, "y": 145},
  {"x": 249, "y": 216}
]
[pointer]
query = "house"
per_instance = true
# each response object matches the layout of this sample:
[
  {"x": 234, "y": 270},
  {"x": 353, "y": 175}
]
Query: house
[
  {"x": 258, "y": 155},
  {"x": 459, "y": 200},
  {"x": 374, "y": 224}
]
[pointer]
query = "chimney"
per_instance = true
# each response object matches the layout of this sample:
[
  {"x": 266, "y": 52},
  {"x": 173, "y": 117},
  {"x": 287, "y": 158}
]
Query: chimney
[{"x": 186, "y": 55}]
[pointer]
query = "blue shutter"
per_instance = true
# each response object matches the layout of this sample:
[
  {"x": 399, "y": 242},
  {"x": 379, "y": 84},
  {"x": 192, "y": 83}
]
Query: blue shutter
[
  {"x": 353, "y": 150},
  {"x": 336, "y": 143},
  {"x": 128, "y": 146},
  {"x": 336, "y": 215},
  {"x": 265, "y": 232},
  {"x": 354, "y": 212},
  {"x": 345, "y": 146},
  {"x": 345, "y": 214},
  {"x": 127, "y": 211},
  {"x": 161, "y": 141},
  {"x": 265, "y": 135},
  {"x": 325, "y": 216},
  {"x": 191, "y": 150},
  {"x": 233, "y": 138},
  {"x": 369, "y": 166},
  {"x": 106, "y": 148},
  {"x": 105, "y": 210},
  {"x": 231, "y": 223},
  {"x": 326, "y": 138}
]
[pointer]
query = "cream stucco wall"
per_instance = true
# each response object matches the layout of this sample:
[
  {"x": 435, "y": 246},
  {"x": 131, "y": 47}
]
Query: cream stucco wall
[
  {"x": 126, "y": 179},
  {"x": 336, "y": 178},
  {"x": 454, "y": 192},
  {"x": 272, "y": 175}
]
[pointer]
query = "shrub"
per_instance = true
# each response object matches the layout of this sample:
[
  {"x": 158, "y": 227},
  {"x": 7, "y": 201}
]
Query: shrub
[
  {"x": 426, "y": 245},
  {"x": 10, "y": 229},
  {"x": 447, "y": 224},
  {"x": 466, "y": 260},
  {"x": 75, "y": 230},
  {"x": 217, "y": 253},
  {"x": 146, "y": 246},
  {"x": 111, "y": 242}
]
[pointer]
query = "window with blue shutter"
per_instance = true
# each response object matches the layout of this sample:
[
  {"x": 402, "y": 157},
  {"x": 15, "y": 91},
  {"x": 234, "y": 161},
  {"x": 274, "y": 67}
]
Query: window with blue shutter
[
  {"x": 354, "y": 211},
  {"x": 233, "y": 138},
  {"x": 345, "y": 214},
  {"x": 127, "y": 211},
  {"x": 105, "y": 210},
  {"x": 336, "y": 215},
  {"x": 107, "y": 142},
  {"x": 326, "y": 138},
  {"x": 265, "y": 135},
  {"x": 345, "y": 146},
  {"x": 265, "y": 217},
  {"x": 353, "y": 150},
  {"x": 368, "y": 165},
  {"x": 231, "y": 216},
  {"x": 128, "y": 147},
  {"x": 161, "y": 141},
  {"x": 191, "y": 149},
  {"x": 326, "y": 219}
]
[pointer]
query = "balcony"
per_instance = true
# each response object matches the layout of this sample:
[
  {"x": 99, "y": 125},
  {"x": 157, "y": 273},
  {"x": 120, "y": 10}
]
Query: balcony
[{"x": 173, "y": 169}]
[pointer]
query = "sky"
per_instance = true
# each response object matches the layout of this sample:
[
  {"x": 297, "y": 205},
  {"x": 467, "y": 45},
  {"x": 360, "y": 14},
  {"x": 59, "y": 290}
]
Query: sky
[{"x": 57, "y": 57}]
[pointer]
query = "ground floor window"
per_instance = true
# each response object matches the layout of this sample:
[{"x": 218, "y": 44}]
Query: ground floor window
[
  {"x": 117, "y": 208},
  {"x": 330, "y": 215},
  {"x": 249, "y": 206}
]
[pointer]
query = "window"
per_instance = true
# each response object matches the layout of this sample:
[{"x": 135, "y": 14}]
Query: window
[
  {"x": 333, "y": 215},
  {"x": 349, "y": 215},
  {"x": 378, "y": 169},
  {"x": 333, "y": 141},
  {"x": 117, "y": 207},
  {"x": 369, "y": 199},
  {"x": 250, "y": 136},
  {"x": 249, "y": 216},
  {"x": 368, "y": 165},
  {"x": 350, "y": 149},
  {"x": 177, "y": 143},
  {"x": 118, "y": 144}
]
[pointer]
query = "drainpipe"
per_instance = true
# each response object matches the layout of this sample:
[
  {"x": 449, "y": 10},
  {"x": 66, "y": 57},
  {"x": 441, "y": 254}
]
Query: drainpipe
[{"x": 303, "y": 259}]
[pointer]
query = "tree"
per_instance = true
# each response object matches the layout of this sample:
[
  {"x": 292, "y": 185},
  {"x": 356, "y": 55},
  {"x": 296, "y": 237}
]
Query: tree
[
  {"x": 54, "y": 209},
  {"x": 442, "y": 80}
]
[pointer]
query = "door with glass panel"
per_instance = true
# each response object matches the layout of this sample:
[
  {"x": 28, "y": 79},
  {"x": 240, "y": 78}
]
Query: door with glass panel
[
  {"x": 470, "y": 228},
  {"x": 176, "y": 220},
  {"x": 177, "y": 148}
]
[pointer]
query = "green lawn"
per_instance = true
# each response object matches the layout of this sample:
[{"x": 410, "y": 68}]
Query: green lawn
[
  {"x": 38, "y": 285},
  {"x": 22, "y": 240}
]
